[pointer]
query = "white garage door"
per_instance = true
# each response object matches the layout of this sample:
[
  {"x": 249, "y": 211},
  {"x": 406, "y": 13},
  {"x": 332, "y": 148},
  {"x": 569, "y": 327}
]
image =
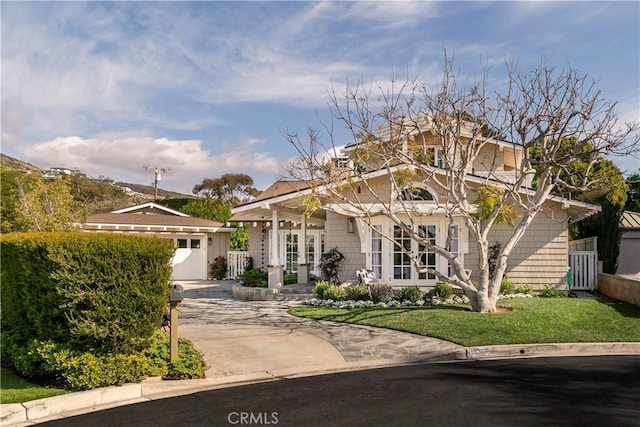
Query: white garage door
[{"x": 190, "y": 260}]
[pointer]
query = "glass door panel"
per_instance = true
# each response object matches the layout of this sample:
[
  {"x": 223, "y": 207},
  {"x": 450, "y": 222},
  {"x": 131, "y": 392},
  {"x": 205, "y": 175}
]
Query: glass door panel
[{"x": 401, "y": 260}]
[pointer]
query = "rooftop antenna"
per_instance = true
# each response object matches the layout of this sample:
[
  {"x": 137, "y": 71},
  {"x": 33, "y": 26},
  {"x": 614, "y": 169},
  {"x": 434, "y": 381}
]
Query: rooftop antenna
[{"x": 158, "y": 176}]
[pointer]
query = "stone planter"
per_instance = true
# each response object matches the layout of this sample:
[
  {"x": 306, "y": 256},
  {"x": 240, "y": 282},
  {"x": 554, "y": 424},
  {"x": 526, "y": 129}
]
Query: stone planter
[{"x": 247, "y": 293}]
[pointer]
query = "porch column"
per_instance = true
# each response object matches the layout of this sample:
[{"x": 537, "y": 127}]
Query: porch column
[
  {"x": 303, "y": 267},
  {"x": 275, "y": 269}
]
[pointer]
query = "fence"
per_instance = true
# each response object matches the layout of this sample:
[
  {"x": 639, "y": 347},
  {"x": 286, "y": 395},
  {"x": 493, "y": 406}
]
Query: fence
[
  {"x": 588, "y": 244},
  {"x": 584, "y": 267},
  {"x": 236, "y": 261}
]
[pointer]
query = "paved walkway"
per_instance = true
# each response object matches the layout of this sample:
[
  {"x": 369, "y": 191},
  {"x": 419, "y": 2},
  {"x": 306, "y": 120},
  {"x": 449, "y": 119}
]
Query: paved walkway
[{"x": 215, "y": 322}]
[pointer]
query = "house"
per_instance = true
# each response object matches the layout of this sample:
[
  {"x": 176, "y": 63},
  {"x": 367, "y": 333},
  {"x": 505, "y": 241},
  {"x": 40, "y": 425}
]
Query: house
[
  {"x": 198, "y": 241},
  {"x": 629, "y": 256},
  {"x": 53, "y": 173},
  {"x": 282, "y": 238}
]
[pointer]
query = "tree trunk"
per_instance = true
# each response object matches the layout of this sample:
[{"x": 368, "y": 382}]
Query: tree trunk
[{"x": 482, "y": 303}]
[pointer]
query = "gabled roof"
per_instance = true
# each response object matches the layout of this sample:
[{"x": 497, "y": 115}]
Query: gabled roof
[
  {"x": 257, "y": 208},
  {"x": 280, "y": 188},
  {"x": 145, "y": 219},
  {"x": 630, "y": 220},
  {"x": 151, "y": 217},
  {"x": 147, "y": 207}
]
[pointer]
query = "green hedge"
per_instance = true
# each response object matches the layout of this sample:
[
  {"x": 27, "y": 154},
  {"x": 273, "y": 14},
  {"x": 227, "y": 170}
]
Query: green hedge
[
  {"x": 96, "y": 292},
  {"x": 61, "y": 365}
]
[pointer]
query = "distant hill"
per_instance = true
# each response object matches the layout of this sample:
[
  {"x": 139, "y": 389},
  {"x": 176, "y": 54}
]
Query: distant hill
[
  {"x": 146, "y": 190},
  {"x": 19, "y": 165}
]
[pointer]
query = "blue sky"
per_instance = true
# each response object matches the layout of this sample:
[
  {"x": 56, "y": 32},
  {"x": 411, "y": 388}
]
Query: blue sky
[{"x": 206, "y": 87}]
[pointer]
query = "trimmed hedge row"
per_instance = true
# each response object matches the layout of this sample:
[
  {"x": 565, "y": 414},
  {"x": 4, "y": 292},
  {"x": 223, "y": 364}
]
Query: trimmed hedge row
[{"x": 96, "y": 292}]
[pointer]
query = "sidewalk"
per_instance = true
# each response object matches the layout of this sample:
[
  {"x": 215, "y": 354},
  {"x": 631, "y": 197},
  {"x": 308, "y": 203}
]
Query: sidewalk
[{"x": 247, "y": 342}]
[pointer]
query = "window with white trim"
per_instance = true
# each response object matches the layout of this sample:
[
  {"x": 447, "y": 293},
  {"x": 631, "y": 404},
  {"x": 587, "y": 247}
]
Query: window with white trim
[
  {"x": 427, "y": 257},
  {"x": 454, "y": 244},
  {"x": 401, "y": 260},
  {"x": 291, "y": 252},
  {"x": 376, "y": 250}
]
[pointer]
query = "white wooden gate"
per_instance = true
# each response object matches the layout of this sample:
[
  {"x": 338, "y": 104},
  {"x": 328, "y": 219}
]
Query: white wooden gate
[
  {"x": 236, "y": 261},
  {"x": 584, "y": 268}
]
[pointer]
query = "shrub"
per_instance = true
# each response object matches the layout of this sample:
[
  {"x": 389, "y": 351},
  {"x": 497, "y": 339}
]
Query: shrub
[
  {"x": 218, "y": 268},
  {"x": 507, "y": 287},
  {"x": 97, "y": 292},
  {"x": 409, "y": 293},
  {"x": 69, "y": 368},
  {"x": 357, "y": 293},
  {"x": 525, "y": 289},
  {"x": 334, "y": 292},
  {"x": 290, "y": 279},
  {"x": 190, "y": 363},
  {"x": 77, "y": 370},
  {"x": 321, "y": 288},
  {"x": 254, "y": 278},
  {"x": 551, "y": 292},
  {"x": 443, "y": 291},
  {"x": 248, "y": 264},
  {"x": 381, "y": 292},
  {"x": 330, "y": 263}
]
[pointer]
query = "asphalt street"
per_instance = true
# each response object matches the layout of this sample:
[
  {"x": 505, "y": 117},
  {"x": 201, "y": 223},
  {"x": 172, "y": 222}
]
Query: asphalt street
[{"x": 568, "y": 391}]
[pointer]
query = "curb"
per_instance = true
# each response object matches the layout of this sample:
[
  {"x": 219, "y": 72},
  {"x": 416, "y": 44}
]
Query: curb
[
  {"x": 35, "y": 411},
  {"x": 552, "y": 349}
]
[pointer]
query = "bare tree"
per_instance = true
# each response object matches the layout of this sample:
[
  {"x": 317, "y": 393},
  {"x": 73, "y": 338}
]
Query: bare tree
[{"x": 416, "y": 135}]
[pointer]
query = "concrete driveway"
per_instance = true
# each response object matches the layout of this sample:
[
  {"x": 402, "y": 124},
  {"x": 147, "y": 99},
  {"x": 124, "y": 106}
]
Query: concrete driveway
[{"x": 247, "y": 336}]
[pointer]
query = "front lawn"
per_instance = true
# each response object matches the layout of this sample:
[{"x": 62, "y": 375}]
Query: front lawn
[
  {"x": 14, "y": 389},
  {"x": 531, "y": 320}
]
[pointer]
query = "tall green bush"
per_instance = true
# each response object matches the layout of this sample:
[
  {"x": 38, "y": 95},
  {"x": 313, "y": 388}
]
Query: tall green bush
[{"x": 98, "y": 292}]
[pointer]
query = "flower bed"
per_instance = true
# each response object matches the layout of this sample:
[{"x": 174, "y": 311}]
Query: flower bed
[{"x": 427, "y": 301}]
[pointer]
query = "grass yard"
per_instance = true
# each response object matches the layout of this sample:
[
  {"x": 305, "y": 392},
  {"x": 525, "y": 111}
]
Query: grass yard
[
  {"x": 532, "y": 320},
  {"x": 14, "y": 389}
]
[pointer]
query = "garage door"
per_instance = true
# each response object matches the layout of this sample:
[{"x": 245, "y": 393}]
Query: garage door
[{"x": 190, "y": 260}]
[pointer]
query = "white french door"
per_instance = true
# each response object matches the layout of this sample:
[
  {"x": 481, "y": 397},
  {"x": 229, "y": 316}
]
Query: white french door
[
  {"x": 390, "y": 249},
  {"x": 291, "y": 247},
  {"x": 404, "y": 271}
]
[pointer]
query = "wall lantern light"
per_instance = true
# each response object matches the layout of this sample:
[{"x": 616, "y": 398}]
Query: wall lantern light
[{"x": 351, "y": 222}]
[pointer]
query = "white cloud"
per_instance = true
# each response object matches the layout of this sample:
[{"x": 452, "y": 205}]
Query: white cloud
[{"x": 122, "y": 159}]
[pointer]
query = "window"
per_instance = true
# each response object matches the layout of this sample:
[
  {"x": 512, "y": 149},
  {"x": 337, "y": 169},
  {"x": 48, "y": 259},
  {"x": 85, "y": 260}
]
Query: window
[
  {"x": 427, "y": 258},
  {"x": 401, "y": 260},
  {"x": 195, "y": 243},
  {"x": 291, "y": 252},
  {"x": 454, "y": 244},
  {"x": 434, "y": 157},
  {"x": 416, "y": 194},
  {"x": 311, "y": 249},
  {"x": 376, "y": 250},
  {"x": 182, "y": 243}
]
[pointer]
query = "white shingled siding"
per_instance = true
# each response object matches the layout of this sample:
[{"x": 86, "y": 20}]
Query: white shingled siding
[
  {"x": 347, "y": 243},
  {"x": 540, "y": 257}
]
